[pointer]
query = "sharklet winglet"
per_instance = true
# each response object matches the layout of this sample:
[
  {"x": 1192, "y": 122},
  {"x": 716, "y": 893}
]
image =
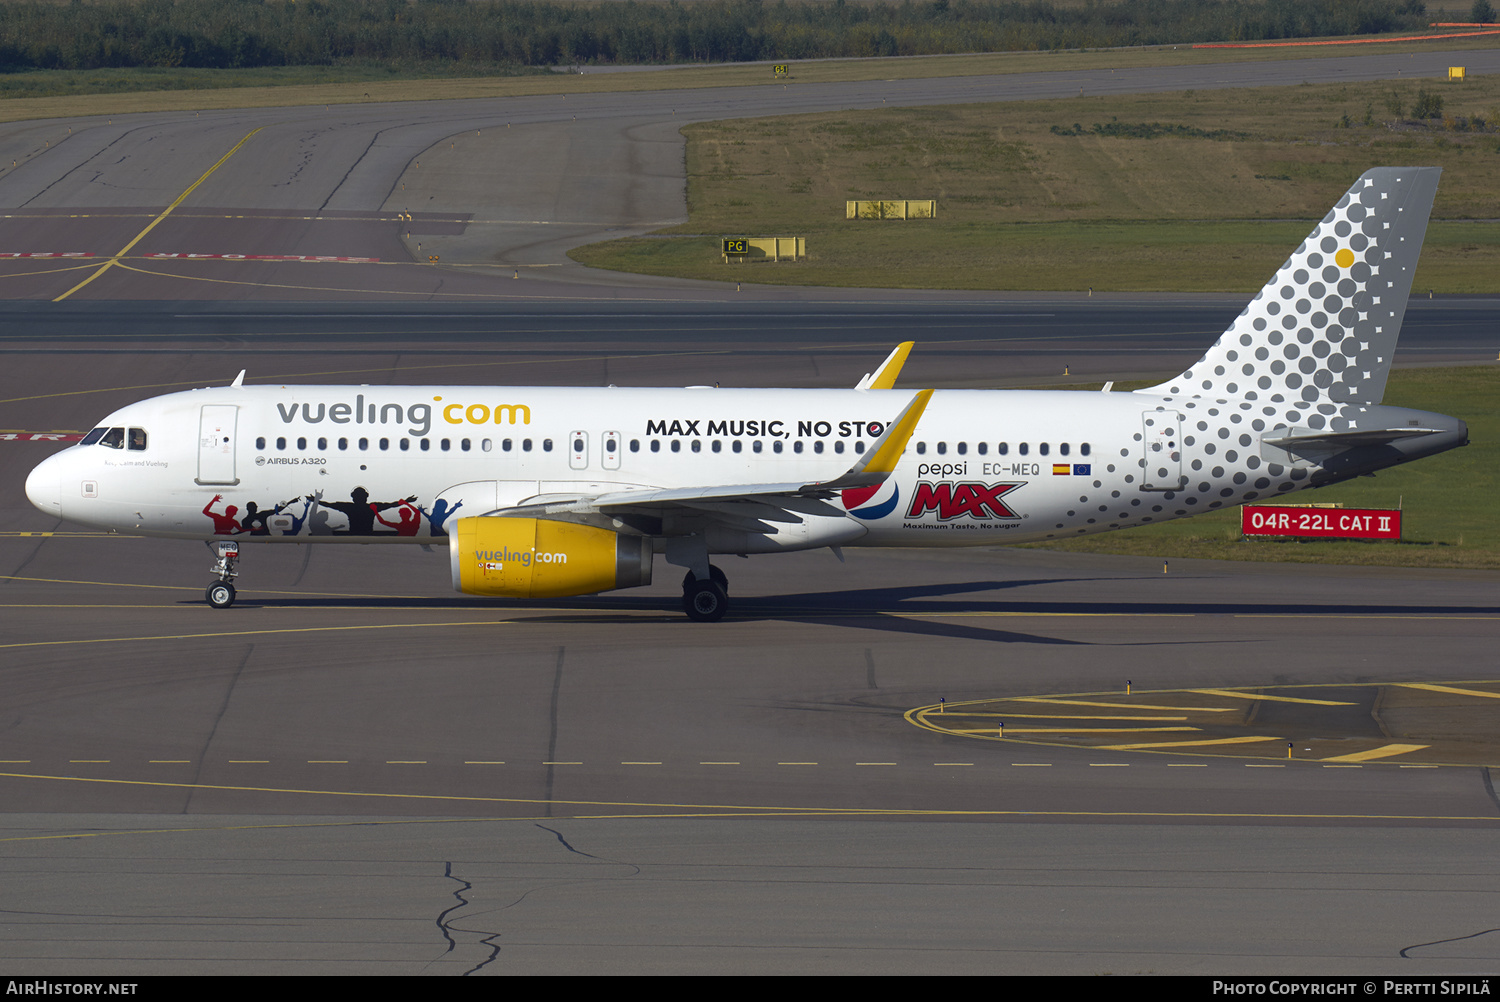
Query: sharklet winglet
[
  {"x": 884, "y": 378},
  {"x": 876, "y": 464}
]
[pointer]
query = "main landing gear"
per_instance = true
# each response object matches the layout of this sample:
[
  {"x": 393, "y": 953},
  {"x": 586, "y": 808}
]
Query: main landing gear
[
  {"x": 220, "y": 594},
  {"x": 706, "y": 601}
]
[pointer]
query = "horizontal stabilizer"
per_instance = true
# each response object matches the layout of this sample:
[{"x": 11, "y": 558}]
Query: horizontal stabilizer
[{"x": 1323, "y": 440}]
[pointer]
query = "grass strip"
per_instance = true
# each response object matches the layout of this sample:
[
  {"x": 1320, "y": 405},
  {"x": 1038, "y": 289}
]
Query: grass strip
[
  {"x": 79, "y": 93},
  {"x": 1185, "y": 191}
]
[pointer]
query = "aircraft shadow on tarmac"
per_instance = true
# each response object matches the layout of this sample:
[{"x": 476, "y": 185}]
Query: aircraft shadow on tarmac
[{"x": 893, "y": 609}]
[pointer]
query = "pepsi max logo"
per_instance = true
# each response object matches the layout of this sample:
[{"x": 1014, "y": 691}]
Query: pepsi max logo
[
  {"x": 963, "y": 500},
  {"x": 872, "y": 502}
]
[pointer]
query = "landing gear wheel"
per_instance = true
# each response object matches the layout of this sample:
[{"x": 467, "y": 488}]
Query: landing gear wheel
[
  {"x": 220, "y": 594},
  {"x": 705, "y": 601},
  {"x": 715, "y": 575}
]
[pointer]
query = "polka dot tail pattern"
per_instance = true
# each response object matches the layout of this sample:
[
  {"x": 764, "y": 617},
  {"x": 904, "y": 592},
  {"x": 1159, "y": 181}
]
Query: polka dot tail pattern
[{"x": 1323, "y": 330}]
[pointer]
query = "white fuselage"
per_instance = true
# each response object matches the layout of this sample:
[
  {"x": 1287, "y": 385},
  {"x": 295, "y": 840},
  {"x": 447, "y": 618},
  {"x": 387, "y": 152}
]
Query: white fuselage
[{"x": 397, "y": 464}]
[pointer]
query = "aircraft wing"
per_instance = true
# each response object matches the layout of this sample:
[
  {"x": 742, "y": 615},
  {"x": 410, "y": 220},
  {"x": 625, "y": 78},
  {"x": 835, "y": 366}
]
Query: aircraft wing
[{"x": 746, "y": 506}]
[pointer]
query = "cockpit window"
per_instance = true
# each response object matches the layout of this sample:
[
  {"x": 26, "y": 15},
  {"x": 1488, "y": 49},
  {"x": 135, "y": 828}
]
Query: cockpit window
[
  {"x": 93, "y": 436},
  {"x": 114, "y": 438},
  {"x": 137, "y": 440}
]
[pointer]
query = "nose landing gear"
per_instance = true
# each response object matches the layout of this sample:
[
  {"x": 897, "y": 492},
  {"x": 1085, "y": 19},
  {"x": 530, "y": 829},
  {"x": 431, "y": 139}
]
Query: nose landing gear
[{"x": 220, "y": 594}]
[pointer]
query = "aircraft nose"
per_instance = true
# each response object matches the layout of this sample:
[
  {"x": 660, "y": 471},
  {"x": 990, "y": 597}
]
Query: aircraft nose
[{"x": 44, "y": 487}]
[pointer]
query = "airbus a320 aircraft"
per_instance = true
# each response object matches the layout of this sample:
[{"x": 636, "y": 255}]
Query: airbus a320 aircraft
[{"x": 545, "y": 492}]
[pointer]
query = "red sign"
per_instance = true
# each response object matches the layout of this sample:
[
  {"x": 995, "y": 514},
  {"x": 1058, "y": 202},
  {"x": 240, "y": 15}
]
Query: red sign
[{"x": 1325, "y": 523}]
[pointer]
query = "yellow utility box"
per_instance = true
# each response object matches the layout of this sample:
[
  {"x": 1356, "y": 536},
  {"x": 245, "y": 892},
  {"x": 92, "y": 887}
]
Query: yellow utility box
[
  {"x": 770, "y": 248},
  {"x": 892, "y": 208}
]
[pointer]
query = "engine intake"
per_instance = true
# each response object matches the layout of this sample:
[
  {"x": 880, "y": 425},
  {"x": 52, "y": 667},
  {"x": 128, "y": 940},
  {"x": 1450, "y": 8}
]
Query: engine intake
[{"x": 539, "y": 558}]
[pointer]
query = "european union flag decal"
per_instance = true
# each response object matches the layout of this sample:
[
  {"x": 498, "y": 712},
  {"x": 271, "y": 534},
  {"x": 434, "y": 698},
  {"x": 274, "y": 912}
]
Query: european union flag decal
[{"x": 1081, "y": 469}]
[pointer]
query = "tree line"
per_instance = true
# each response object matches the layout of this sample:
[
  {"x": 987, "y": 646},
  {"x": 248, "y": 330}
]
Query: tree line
[{"x": 231, "y": 34}]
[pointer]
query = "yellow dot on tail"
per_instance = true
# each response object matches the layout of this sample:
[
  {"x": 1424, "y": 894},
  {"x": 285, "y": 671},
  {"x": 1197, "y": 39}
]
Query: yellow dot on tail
[{"x": 1344, "y": 258}]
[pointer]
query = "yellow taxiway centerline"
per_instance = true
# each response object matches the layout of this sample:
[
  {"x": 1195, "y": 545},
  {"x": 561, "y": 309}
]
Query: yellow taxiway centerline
[
  {"x": 153, "y": 224},
  {"x": 1275, "y": 699},
  {"x": 1448, "y": 689},
  {"x": 1384, "y": 751}
]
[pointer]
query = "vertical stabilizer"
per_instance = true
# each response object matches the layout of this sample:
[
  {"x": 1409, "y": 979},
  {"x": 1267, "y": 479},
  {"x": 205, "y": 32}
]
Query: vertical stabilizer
[{"x": 1323, "y": 330}]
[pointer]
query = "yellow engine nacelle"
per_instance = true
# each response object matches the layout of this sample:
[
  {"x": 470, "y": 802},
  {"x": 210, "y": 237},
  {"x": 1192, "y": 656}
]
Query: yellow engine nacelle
[{"x": 538, "y": 558}]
